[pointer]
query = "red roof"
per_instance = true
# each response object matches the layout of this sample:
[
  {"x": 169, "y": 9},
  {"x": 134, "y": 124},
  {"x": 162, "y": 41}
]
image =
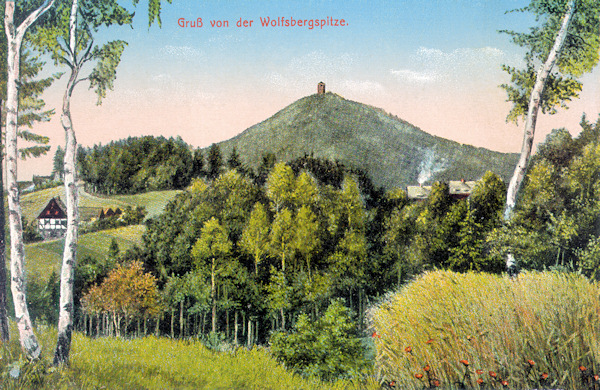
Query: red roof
[{"x": 54, "y": 210}]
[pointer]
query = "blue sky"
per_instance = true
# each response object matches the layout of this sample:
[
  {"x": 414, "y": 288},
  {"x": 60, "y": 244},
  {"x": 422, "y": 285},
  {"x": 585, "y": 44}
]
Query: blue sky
[{"x": 434, "y": 63}]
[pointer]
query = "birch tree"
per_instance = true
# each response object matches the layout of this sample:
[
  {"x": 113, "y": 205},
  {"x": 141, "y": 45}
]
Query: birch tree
[
  {"x": 563, "y": 47},
  {"x": 72, "y": 45},
  {"x": 211, "y": 251},
  {"x": 15, "y": 35},
  {"x": 32, "y": 109}
]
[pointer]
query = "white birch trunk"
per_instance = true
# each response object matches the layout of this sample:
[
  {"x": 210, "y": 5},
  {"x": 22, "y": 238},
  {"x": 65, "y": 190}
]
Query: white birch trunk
[
  {"x": 533, "y": 110},
  {"x": 4, "y": 331},
  {"x": 67, "y": 274},
  {"x": 14, "y": 36},
  {"x": 535, "y": 101}
]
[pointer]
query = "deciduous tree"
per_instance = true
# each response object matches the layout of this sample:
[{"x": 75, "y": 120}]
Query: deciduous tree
[
  {"x": 15, "y": 35},
  {"x": 255, "y": 238},
  {"x": 563, "y": 47},
  {"x": 213, "y": 245},
  {"x": 72, "y": 44}
]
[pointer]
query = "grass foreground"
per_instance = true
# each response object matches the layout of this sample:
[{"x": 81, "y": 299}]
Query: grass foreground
[
  {"x": 476, "y": 331},
  {"x": 151, "y": 363}
]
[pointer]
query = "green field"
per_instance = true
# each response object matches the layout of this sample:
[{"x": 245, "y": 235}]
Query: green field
[
  {"x": 152, "y": 363},
  {"x": 33, "y": 203},
  {"x": 43, "y": 257}
]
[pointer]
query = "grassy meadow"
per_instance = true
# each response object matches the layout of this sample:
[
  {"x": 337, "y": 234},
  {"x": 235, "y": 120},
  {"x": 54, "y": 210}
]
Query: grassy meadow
[
  {"x": 488, "y": 331},
  {"x": 47, "y": 255},
  {"x": 152, "y": 363},
  {"x": 154, "y": 202}
]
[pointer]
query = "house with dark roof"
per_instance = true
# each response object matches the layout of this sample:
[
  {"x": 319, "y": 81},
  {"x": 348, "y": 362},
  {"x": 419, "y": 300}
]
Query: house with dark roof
[{"x": 52, "y": 221}]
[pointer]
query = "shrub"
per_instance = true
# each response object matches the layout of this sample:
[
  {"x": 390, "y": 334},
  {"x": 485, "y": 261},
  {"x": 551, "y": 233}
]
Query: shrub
[
  {"x": 466, "y": 330},
  {"x": 327, "y": 347}
]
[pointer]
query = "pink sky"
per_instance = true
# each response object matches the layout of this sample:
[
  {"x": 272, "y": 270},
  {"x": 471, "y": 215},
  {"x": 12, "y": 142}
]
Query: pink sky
[{"x": 438, "y": 69}]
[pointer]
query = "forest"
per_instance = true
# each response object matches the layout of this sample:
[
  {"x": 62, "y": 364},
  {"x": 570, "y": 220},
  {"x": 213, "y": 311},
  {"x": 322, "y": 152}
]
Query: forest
[{"x": 245, "y": 256}]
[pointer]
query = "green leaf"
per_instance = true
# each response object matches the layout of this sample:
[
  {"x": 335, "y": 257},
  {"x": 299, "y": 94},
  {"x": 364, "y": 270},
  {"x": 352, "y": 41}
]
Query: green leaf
[{"x": 104, "y": 74}]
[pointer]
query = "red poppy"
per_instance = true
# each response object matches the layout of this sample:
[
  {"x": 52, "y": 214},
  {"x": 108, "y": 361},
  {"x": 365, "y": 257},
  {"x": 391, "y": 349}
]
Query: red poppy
[
  {"x": 531, "y": 362},
  {"x": 493, "y": 374},
  {"x": 465, "y": 362},
  {"x": 436, "y": 383},
  {"x": 504, "y": 383},
  {"x": 418, "y": 376},
  {"x": 479, "y": 372},
  {"x": 582, "y": 368},
  {"x": 408, "y": 349},
  {"x": 480, "y": 381},
  {"x": 544, "y": 376},
  {"x": 427, "y": 368},
  {"x": 429, "y": 341},
  {"x": 392, "y": 383},
  {"x": 596, "y": 378},
  {"x": 375, "y": 334}
]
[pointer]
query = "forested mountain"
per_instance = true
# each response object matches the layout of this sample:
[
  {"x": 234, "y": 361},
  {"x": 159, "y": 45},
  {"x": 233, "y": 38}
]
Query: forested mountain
[{"x": 393, "y": 152}]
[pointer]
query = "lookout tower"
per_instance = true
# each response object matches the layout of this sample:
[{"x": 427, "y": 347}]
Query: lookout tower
[{"x": 321, "y": 88}]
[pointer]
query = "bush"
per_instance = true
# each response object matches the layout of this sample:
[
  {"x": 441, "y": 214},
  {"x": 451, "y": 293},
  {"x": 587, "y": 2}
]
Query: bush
[
  {"x": 471, "y": 330},
  {"x": 327, "y": 347}
]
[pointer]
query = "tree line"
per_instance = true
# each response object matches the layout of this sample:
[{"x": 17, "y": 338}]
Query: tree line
[
  {"x": 244, "y": 258},
  {"x": 240, "y": 256}
]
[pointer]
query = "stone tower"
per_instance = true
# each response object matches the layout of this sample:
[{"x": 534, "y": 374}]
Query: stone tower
[{"x": 321, "y": 88}]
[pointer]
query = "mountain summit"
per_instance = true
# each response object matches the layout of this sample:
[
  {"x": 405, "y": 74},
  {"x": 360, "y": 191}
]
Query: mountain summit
[{"x": 392, "y": 151}]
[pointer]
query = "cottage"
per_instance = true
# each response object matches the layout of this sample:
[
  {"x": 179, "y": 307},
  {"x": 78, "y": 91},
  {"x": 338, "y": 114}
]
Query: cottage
[
  {"x": 461, "y": 189},
  {"x": 110, "y": 213},
  {"x": 52, "y": 221},
  {"x": 458, "y": 189},
  {"x": 418, "y": 192}
]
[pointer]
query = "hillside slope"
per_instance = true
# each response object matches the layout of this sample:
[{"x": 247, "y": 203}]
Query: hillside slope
[
  {"x": 394, "y": 152},
  {"x": 46, "y": 256}
]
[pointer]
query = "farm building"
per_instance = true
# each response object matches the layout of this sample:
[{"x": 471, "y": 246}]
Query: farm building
[
  {"x": 52, "y": 221},
  {"x": 458, "y": 189},
  {"x": 110, "y": 213},
  {"x": 461, "y": 189},
  {"x": 418, "y": 192}
]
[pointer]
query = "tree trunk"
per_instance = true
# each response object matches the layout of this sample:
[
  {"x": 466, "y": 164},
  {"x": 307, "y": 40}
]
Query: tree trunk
[
  {"x": 235, "y": 328},
  {"x": 172, "y": 324},
  {"x": 360, "y": 308},
  {"x": 256, "y": 332},
  {"x": 4, "y": 333},
  {"x": 14, "y": 36},
  {"x": 67, "y": 275},
  {"x": 535, "y": 102},
  {"x": 227, "y": 323},
  {"x": 181, "y": 324},
  {"x": 249, "y": 333},
  {"x": 213, "y": 293}
]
